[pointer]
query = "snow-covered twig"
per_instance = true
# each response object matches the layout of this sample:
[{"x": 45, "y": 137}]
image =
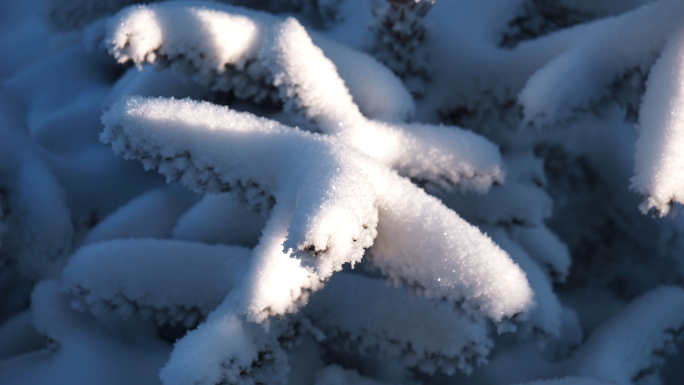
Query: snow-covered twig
[{"x": 172, "y": 282}]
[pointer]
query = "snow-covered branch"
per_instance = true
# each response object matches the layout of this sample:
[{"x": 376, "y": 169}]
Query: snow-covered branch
[
  {"x": 658, "y": 160},
  {"x": 363, "y": 314},
  {"x": 316, "y": 181},
  {"x": 586, "y": 61},
  {"x": 218, "y": 46},
  {"x": 172, "y": 282},
  {"x": 631, "y": 346},
  {"x": 311, "y": 87}
]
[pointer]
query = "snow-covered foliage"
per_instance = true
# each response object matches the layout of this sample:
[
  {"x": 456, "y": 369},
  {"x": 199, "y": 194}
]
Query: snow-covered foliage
[
  {"x": 334, "y": 201},
  {"x": 658, "y": 163},
  {"x": 399, "y": 36},
  {"x": 357, "y": 192}
]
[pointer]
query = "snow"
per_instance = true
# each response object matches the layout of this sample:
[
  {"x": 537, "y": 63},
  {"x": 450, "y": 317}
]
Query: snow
[
  {"x": 635, "y": 341},
  {"x": 226, "y": 349},
  {"x": 308, "y": 81},
  {"x": 196, "y": 135},
  {"x": 364, "y": 314},
  {"x": 142, "y": 33},
  {"x": 301, "y": 72},
  {"x": 522, "y": 203},
  {"x": 547, "y": 315},
  {"x": 41, "y": 218},
  {"x": 282, "y": 169},
  {"x": 384, "y": 239},
  {"x": 220, "y": 218},
  {"x": 205, "y": 51},
  {"x": 424, "y": 244},
  {"x": 38, "y": 228},
  {"x": 17, "y": 26},
  {"x": 545, "y": 248},
  {"x": 82, "y": 349},
  {"x": 217, "y": 43},
  {"x": 151, "y": 215},
  {"x": 170, "y": 281},
  {"x": 276, "y": 283},
  {"x": 132, "y": 126},
  {"x": 441, "y": 261},
  {"x": 658, "y": 165},
  {"x": 377, "y": 92},
  {"x": 580, "y": 75}
]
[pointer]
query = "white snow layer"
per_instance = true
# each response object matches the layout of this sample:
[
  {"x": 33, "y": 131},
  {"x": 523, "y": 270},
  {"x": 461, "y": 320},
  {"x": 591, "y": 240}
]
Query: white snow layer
[
  {"x": 364, "y": 314},
  {"x": 309, "y": 83},
  {"x": 218, "y": 44},
  {"x": 310, "y": 86},
  {"x": 659, "y": 156},
  {"x": 149, "y": 81},
  {"x": 170, "y": 281},
  {"x": 276, "y": 283},
  {"x": 591, "y": 58},
  {"x": 512, "y": 202},
  {"x": 636, "y": 341},
  {"x": 266, "y": 160},
  {"x": 142, "y": 33},
  {"x": 38, "y": 229},
  {"x": 82, "y": 348},
  {"x": 220, "y": 218},
  {"x": 331, "y": 202},
  {"x": 377, "y": 91},
  {"x": 545, "y": 248},
  {"x": 426, "y": 245},
  {"x": 151, "y": 215},
  {"x": 547, "y": 315},
  {"x": 227, "y": 349}
]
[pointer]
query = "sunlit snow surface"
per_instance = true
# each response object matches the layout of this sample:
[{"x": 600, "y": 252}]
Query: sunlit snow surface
[{"x": 337, "y": 233}]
